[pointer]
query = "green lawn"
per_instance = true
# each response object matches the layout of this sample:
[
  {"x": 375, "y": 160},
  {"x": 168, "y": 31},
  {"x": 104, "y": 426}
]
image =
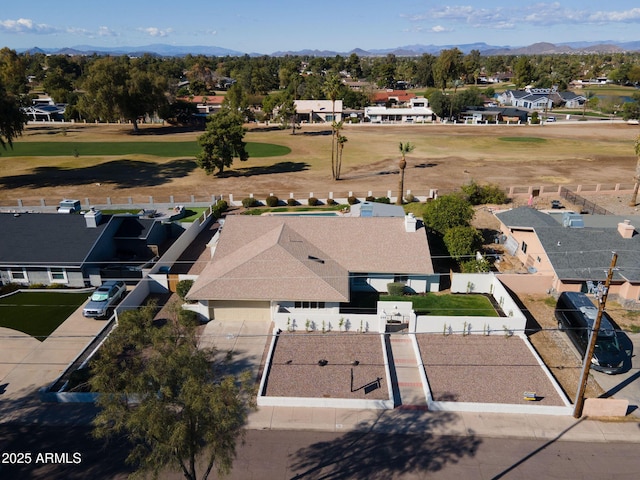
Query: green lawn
[
  {"x": 447, "y": 305},
  {"x": 38, "y": 313},
  {"x": 523, "y": 139},
  {"x": 159, "y": 149}
]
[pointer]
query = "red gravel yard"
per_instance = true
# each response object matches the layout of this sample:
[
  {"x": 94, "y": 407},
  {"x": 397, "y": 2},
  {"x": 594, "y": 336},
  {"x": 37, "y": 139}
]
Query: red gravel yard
[
  {"x": 484, "y": 369},
  {"x": 295, "y": 372}
]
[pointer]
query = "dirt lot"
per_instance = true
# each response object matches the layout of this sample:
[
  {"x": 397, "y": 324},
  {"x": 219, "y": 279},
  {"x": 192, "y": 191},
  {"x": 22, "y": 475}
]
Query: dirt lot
[{"x": 445, "y": 157}]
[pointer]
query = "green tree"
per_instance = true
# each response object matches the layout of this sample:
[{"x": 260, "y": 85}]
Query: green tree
[
  {"x": 222, "y": 142},
  {"x": 13, "y": 73},
  {"x": 172, "y": 400},
  {"x": 404, "y": 148},
  {"x": 523, "y": 71},
  {"x": 115, "y": 89},
  {"x": 12, "y": 119},
  {"x": 447, "y": 211},
  {"x": 462, "y": 241},
  {"x": 447, "y": 67}
]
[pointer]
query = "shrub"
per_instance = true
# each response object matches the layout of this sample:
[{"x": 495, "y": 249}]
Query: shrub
[
  {"x": 483, "y": 194},
  {"x": 313, "y": 201},
  {"x": 410, "y": 198},
  {"x": 370, "y": 198},
  {"x": 475, "y": 266},
  {"x": 395, "y": 288},
  {"x": 188, "y": 318},
  {"x": 222, "y": 205},
  {"x": 182, "y": 288},
  {"x": 272, "y": 201},
  {"x": 250, "y": 202},
  {"x": 462, "y": 241},
  {"x": 292, "y": 202},
  {"x": 331, "y": 201},
  {"x": 382, "y": 200},
  {"x": 352, "y": 200}
]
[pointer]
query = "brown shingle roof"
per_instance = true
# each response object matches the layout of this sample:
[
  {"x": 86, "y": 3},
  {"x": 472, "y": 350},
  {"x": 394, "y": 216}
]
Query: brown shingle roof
[{"x": 307, "y": 258}]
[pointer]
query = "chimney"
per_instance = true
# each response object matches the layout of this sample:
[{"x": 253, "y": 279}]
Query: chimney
[
  {"x": 93, "y": 217},
  {"x": 410, "y": 223},
  {"x": 625, "y": 229}
]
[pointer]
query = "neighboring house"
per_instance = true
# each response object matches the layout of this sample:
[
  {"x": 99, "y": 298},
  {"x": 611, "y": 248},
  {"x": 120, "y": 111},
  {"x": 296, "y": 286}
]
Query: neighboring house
[
  {"x": 390, "y": 98},
  {"x": 269, "y": 264},
  {"x": 532, "y": 99},
  {"x": 571, "y": 100},
  {"x": 540, "y": 98},
  {"x": 416, "y": 111},
  {"x": 206, "y": 104},
  {"x": 494, "y": 114},
  {"x": 575, "y": 256},
  {"x": 76, "y": 250},
  {"x": 45, "y": 113},
  {"x": 318, "y": 111}
]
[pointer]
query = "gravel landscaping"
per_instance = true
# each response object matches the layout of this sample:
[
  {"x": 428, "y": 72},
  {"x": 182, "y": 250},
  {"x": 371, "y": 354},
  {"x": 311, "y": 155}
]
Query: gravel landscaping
[
  {"x": 482, "y": 369},
  {"x": 295, "y": 371}
]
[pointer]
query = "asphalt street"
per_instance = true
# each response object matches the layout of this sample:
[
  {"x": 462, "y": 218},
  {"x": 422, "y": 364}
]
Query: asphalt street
[{"x": 283, "y": 454}]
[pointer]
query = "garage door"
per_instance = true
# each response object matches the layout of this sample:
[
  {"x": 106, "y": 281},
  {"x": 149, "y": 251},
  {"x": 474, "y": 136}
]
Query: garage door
[{"x": 234, "y": 311}]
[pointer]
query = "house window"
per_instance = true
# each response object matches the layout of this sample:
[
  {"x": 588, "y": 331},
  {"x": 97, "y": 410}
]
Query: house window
[
  {"x": 524, "y": 247},
  {"x": 58, "y": 275},
  {"x": 18, "y": 276},
  {"x": 400, "y": 278},
  {"x": 309, "y": 305}
]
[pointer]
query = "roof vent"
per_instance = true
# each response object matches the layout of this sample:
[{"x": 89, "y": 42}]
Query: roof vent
[
  {"x": 315, "y": 259},
  {"x": 626, "y": 230},
  {"x": 93, "y": 218},
  {"x": 410, "y": 223},
  {"x": 572, "y": 220}
]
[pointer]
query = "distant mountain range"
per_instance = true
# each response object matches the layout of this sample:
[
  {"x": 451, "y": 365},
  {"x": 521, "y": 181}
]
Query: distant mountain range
[{"x": 164, "y": 50}]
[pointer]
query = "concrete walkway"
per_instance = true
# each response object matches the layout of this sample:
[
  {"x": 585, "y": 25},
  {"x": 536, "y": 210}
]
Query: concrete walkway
[{"x": 408, "y": 382}]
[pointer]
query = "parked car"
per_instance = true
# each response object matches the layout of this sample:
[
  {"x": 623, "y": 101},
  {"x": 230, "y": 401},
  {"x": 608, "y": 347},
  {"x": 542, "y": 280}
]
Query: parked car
[
  {"x": 556, "y": 204},
  {"x": 104, "y": 298},
  {"x": 576, "y": 315},
  {"x": 551, "y": 119}
]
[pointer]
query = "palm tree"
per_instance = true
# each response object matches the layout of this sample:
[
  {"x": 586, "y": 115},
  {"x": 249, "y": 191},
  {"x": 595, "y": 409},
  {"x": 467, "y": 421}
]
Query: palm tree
[
  {"x": 405, "y": 148},
  {"x": 332, "y": 90},
  {"x": 634, "y": 196},
  {"x": 341, "y": 141},
  {"x": 336, "y": 128}
]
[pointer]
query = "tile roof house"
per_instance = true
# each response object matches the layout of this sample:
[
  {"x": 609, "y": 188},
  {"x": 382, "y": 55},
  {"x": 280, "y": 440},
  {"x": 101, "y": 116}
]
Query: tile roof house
[
  {"x": 573, "y": 256},
  {"x": 74, "y": 250},
  {"x": 260, "y": 264}
]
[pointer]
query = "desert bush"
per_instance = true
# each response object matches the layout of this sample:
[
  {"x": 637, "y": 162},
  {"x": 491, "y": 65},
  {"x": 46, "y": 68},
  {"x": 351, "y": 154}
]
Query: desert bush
[
  {"x": 331, "y": 201},
  {"x": 483, "y": 194},
  {"x": 250, "y": 202},
  {"x": 313, "y": 201},
  {"x": 272, "y": 201},
  {"x": 370, "y": 198},
  {"x": 382, "y": 200},
  {"x": 352, "y": 200},
  {"x": 410, "y": 198},
  {"x": 292, "y": 202}
]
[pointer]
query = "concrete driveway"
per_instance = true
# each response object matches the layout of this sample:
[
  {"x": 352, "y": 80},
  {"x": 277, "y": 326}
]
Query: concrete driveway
[
  {"x": 625, "y": 385},
  {"x": 28, "y": 364}
]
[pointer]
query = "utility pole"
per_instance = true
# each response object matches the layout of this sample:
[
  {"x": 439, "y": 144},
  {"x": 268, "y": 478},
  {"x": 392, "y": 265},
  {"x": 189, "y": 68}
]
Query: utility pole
[{"x": 602, "y": 300}]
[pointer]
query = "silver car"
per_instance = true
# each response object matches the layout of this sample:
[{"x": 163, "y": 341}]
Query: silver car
[{"x": 104, "y": 298}]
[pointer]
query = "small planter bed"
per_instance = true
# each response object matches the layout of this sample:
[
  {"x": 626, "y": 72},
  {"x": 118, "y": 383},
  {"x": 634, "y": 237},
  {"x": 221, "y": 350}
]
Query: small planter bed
[{"x": 332, "y": 365}]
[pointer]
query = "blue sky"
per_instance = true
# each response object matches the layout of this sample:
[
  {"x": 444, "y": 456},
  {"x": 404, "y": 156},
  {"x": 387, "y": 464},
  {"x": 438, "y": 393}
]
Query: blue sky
[{"x": 264, "y": 26}]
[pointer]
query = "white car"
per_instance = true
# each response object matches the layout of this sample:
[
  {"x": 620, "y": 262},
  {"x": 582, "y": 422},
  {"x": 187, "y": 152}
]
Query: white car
[{"x": 104, "y": 298}]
